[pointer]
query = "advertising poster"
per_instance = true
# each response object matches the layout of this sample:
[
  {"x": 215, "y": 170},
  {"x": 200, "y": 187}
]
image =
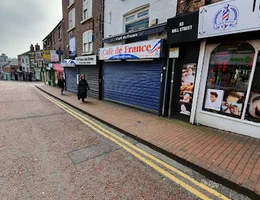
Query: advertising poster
[
  {"x": 254, "y": 108},
  {"x": 214, "y": 99},
  {"x": 187, "y": 87},
  {"x": 54, "y": 56},
  {"x": 233, "y": 103},
  {"x": 72, "y": 46}
]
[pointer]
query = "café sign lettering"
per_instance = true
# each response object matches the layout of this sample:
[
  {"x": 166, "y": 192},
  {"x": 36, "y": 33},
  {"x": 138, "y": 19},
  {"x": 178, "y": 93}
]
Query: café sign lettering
[
  {"x": 86, "y": 60},
  {"x": 146, "y": 49}
]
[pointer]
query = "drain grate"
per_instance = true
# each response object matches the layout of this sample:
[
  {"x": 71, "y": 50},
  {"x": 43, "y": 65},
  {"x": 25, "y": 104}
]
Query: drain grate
[{"x": 93, "y": 151}]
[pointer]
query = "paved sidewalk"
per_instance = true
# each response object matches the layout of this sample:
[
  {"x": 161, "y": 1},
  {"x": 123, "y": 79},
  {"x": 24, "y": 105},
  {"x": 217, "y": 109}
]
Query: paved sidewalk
[{"x": 232, "y": 157}]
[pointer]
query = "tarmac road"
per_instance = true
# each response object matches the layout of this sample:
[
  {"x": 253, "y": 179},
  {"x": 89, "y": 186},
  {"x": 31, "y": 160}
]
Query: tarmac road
[{"x": 49, "y": 150}]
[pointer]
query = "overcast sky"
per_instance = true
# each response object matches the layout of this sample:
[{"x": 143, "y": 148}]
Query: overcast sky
[{"x": 23, "y": 22}]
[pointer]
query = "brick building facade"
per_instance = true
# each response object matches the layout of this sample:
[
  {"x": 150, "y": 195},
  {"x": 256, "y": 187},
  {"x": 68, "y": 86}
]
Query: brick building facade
[
  {"x": 192, "y": 5},
  {"x": 55, "y": 39},
  {"x": 93, "y": 22}
]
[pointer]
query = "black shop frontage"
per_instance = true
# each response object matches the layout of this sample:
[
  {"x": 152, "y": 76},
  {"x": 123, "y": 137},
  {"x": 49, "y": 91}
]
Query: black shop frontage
[{"x": 184, "y": 49}]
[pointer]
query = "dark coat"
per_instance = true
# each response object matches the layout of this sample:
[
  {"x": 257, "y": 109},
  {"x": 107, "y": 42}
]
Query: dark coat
[
  {"x": 61, "y": 82},
  {"x": 83, "y": 88}
]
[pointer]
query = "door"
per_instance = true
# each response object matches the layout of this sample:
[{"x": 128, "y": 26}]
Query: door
[
  {"x": 135, "y": 84},
  {"x": 183, "y": 80}
]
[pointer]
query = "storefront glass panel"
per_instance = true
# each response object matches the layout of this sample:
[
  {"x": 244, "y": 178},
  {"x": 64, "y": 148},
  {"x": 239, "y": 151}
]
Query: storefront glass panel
[
  {"x": 253, "y": 107},
  {"x": 229, "y": 72}
]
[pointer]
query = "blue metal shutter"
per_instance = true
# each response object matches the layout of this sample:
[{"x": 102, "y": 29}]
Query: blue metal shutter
[
  {"x": 71, "y": 79},
  {"x": 135, "y": 84}
]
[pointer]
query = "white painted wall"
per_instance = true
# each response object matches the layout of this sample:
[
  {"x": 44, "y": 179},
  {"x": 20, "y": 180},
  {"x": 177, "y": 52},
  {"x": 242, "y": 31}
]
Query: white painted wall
[
  {"x": 26, "y": 63},
  {"x": 115, "y": 9}
]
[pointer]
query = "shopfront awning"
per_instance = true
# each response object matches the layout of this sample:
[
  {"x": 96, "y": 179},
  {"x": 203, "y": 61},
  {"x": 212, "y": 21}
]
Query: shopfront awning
[{"x": 58, "y": 68}]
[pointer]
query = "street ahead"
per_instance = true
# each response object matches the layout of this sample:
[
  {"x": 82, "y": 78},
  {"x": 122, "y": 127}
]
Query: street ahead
[{"x": 49, "y": 150}]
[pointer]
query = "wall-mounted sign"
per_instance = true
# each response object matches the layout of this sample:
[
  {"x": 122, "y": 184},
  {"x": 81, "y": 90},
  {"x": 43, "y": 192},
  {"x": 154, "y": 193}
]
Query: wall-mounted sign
[
  {"x": 86, "y": 60},
  {"x": 183, "y": 28},
  {"x": 72, "y": 46},
  {"x": 146, "y": 49},
  {"x": 68, "y": 63},
  {"x": 174, "y": 52},
  {"x": 147, "y": 31},
  {"x": 46, "y": 55},
  {"x": 54, "y": 56},
  {"x": 228, "y": 17}
]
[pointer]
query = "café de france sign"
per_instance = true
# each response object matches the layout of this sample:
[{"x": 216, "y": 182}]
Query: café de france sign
[
  {"x": 229, "y": 17},
  {"x": 146, "y": 49}
]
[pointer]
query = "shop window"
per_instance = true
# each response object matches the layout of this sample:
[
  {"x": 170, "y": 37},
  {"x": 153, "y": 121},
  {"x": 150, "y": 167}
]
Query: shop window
[
  {"x": 228, "y": 79},
  {"x": 253, "y": 106}
]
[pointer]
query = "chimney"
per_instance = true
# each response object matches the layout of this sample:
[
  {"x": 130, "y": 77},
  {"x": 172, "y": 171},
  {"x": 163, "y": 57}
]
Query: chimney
[
  {"x": 37, "y": 47},
  {"x": 31, "y": 48}
]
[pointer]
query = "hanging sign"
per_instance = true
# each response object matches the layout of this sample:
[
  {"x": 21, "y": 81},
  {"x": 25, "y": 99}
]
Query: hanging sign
[
  {"x": 46, "y": 55},
  {"x": 146, "y": 49},
  {"x": 228, "y": 17},
  {"x": 54, "y": 56}
]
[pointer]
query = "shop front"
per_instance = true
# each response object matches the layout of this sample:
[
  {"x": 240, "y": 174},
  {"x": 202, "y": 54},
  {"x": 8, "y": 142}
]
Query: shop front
[
  {"x": 71, "y": 74},
  {"x": 58, "y": 72},
  {"x": 229, "y": 87},
  {"x": 133, "y": 74},
  {"x": 184, "y": 50},
  {"x": 89, "y": 67}
]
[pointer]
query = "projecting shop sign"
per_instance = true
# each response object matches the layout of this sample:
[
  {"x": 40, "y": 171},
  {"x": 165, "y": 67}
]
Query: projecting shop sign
[{"x": 146, "y": 49}]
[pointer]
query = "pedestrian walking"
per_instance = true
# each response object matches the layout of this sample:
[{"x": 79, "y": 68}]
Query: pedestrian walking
[
  {"x": 61, "y": 84},
  {"x": 83, "y": 88}
]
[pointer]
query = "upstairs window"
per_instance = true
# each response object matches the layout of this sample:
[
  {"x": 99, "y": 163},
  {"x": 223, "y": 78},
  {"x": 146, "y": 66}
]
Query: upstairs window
[
  {"x": 87, "y": 9},
  {"x": 137, "y": 20},
  {"x": 72, "y": 18},
  {"x": 59, "y": 30},
  {"x": 88, "y": 42},
  {"x": 71, "y": 2}
]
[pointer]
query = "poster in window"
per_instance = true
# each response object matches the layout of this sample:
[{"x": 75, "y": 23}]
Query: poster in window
[
  {"x": 185, "y": 109},
  {"x": 233, "y": 103},
  {"x": 214, "y": 99},
  {"x": 254, "y": 107},
  {"x": 188, "y": 73},
  {"x": 187, "y": 87}
]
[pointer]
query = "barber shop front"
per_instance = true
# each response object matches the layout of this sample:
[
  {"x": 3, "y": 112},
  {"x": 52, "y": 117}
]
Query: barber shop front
[{"x": 228, "y": 77}]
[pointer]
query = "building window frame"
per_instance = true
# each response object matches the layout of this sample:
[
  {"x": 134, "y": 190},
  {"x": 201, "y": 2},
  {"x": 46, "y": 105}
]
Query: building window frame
[
  {"x": 87, "y": 42},
  {"x": 136, "y": 16},
  {"x": 251, "y": 94},
  {"x": 70, "y": 3},
  {"x": 87, "y": 10},
  {"x": 71, "y": 18},
  {"x": 60, "y": 33}
]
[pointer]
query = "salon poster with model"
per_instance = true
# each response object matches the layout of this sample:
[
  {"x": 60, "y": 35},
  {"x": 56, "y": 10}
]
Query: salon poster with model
[
  {"x": 187, "y": 87},
  {"x": 253, "y": 112}
]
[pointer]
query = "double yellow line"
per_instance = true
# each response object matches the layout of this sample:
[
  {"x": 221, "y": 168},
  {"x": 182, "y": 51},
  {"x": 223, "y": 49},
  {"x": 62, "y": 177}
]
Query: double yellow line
[{"x": 139, "y": 153}]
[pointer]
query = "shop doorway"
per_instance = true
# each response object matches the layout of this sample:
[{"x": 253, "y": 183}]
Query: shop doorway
[{"x": 183, "y": 75}]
